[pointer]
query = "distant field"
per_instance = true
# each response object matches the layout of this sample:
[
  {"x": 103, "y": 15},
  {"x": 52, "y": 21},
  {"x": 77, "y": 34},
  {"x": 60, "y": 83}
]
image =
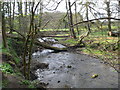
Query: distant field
[
  {"x": 94, "y": 31},
  {"x": 54, "y": 30}
]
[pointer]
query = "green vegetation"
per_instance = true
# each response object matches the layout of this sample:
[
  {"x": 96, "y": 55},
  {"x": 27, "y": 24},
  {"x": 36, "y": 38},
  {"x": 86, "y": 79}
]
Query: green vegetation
[
  {"x": 69, "y": 41},
  {"x": 14, "y": 32},
  {"x": 98, "y": 44},
  {"x": 6, "y": 68},
  {"x": 99, "y": 33},
  {"x": 62, "y": 34},
  {"x": 5, "y": 83},
  {"x": 54, "y": 30},
  {"x": 27, "y": 82},
  {"x": 11, "y": 57},
  {"x": 102, "y": 46},
  {"x": 33, "y": 22}
]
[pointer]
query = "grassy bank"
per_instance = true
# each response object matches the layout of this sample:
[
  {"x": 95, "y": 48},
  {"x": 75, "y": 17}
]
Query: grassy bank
[{"x": 100, "y": 45}]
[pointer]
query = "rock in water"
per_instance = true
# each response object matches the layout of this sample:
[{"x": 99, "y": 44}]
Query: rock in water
[
  {"x": 94, "y": 76},
  {"x": 39, "y": 66},
  {"x": 47, "y": 39},
  {"x": 44, "y": 52},
  {"x": 47, "y": 51}
]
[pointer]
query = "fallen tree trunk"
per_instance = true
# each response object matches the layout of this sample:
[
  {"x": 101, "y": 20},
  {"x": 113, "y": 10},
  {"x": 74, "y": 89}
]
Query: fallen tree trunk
[
  {"x": 48, "y": 46},
  {"x": 43, "y": 44}
]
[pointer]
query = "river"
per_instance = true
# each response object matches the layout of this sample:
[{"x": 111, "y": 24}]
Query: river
[{"x": 72, "y": 70}]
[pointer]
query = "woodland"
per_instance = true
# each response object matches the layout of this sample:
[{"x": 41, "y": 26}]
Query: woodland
[{"x": 59, "y": 43}]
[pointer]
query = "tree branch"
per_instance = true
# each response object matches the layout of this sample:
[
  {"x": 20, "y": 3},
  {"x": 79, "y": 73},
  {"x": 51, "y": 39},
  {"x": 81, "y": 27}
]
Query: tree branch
[
  {"x": 96, "y": 19},
  {"x": 54, "y": 8},
  {"x": 17, "y": 32}
]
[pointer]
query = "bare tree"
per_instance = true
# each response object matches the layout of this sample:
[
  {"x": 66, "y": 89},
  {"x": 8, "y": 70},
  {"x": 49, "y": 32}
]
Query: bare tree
[
  {"x": 76, "y": 18},
  {"x": 87, "y": 7},
  {"x": 10, "y": 16},
  {"x": 118, "y": 8},
  {"x": 3, "y": 27},
  {"x": 87, "y": 16},
  {"x": 13, "y": 15},
  {"x": 71, "y": 21},
  {"x": 108, "y": 14},
  {"x": 21, "y": 20},
  {"x": 30, "y": 38},
  {"x": 41, "y": 13},
  {"x": 26, "y": 8}
]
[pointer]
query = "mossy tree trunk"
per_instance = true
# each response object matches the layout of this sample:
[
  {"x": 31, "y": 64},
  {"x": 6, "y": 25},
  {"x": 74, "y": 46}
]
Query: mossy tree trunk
[{"x": 3, "y": 28}]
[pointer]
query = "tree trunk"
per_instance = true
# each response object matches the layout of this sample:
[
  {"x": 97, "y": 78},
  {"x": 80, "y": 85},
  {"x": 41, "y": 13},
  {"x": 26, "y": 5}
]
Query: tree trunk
[
  {"x": 71, "y": 21},
  {"x": 40, "y": 13},
  {"x": 25, "y": 19},
  {"x": 36, "y": 42},
  {"x": 68, "y": 17},
  {"x": 3, "y": 28},
  {"x": 87, "y": 15},
  {"x": 119, "y": 23},
  {"x": 76, "y": 18},
  {"x": 21, "y": 20},
  {"x": 10, "y": 17},
  {"x": 25, "y": 8},
  {"x": 119, "y": 11},
  {"x": 30, "y": 37},
  {"x": 13, "y": 14},
  {"x": 109, "y": 15}
]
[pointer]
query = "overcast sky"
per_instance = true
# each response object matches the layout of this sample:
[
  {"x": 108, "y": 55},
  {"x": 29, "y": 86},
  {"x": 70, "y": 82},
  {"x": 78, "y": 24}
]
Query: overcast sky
[
  {"x": 100, "y": 6},
  {"x": 62, "y": 6}
]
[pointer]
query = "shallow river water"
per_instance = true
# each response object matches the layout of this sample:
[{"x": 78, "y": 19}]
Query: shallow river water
[{"x": 72, "y": 70}]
